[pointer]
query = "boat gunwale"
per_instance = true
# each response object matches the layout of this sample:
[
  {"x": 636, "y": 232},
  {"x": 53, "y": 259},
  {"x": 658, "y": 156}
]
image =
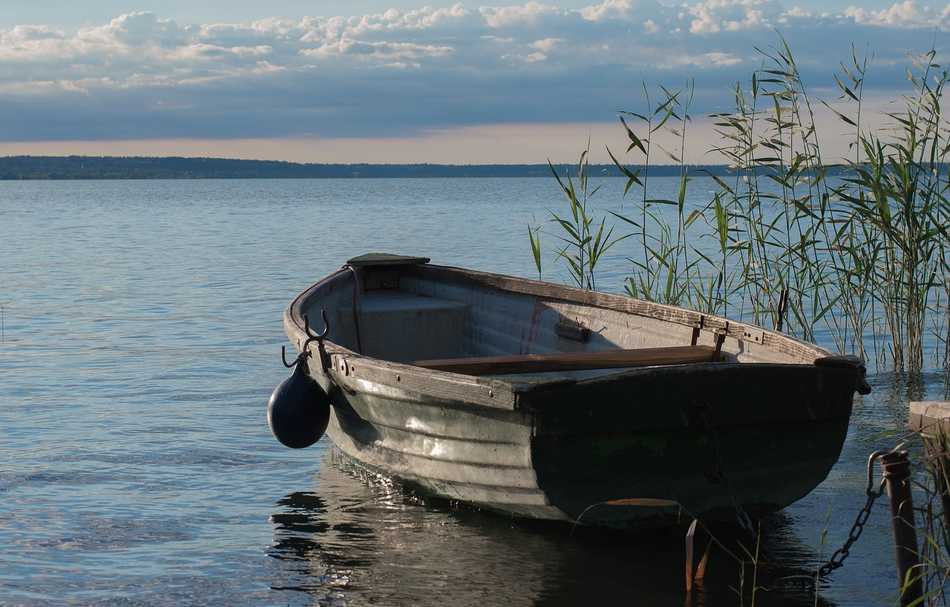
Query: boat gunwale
[
  {"x": 625, "y": 304},
  {"x": 469, "y": 390}
]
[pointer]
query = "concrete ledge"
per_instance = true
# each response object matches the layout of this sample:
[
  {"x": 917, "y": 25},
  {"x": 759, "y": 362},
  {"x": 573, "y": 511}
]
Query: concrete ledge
[{"x": 930, "y": 417}]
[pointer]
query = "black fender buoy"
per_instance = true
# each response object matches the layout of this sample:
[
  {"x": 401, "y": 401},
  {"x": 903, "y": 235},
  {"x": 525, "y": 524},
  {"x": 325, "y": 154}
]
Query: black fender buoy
[{"x": 299, "y": 410}]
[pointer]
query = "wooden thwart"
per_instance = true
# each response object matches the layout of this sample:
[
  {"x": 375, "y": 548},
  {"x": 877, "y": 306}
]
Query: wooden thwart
[{"x": 572, "y": 361}]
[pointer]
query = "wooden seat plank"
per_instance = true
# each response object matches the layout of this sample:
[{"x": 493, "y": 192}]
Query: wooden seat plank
[{"x": 572, "y": 361}]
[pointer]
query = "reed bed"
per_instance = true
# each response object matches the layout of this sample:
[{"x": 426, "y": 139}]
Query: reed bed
[{"x": 853, "y": 252}]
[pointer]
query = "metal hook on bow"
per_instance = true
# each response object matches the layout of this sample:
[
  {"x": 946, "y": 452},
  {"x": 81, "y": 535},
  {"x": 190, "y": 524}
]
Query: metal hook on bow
[
  {"x": 311, "y": 337},
  {"x": 318, "y": 337},
  {"x": 283, "y": 357}
]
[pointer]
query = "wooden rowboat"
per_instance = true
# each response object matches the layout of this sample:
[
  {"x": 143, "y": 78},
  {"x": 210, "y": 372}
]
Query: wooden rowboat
[{"x": 545, "y": 401}]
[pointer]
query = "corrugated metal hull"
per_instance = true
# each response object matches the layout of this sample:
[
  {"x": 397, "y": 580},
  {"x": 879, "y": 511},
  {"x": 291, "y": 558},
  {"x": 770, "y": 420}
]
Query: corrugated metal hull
[
  {"x": 479, "y": 457},
  {"x": 574, "y": 448}
]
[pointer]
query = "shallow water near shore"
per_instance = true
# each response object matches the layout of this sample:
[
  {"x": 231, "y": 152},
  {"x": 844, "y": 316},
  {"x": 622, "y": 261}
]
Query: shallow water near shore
[{"x": 139, "y": 341}]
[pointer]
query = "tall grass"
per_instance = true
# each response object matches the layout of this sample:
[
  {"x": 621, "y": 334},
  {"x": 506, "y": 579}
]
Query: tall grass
[
  {"x": 584, "y": 241},
  {"x": 849, "y": 250}
]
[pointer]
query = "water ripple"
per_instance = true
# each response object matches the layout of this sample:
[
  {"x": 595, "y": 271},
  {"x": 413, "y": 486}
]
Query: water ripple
[{"x": 141, "y": 339}]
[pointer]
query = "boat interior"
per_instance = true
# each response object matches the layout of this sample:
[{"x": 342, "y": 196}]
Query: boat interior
[{"x": 441, "y": 318}]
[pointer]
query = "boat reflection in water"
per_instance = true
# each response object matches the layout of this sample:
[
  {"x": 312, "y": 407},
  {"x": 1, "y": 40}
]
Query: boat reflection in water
[{"x": 361, "y": 539}]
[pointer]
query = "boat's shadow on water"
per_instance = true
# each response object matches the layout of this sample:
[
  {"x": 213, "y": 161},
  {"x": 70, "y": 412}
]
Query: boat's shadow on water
[{"x": 359, "y": 539}]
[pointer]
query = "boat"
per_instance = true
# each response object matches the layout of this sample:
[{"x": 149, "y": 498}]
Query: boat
[{"x": 544, "y": 401}]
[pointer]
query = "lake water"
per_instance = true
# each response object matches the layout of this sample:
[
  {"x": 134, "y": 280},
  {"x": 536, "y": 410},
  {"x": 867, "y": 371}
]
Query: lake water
[{"x": 140, "y": 340}]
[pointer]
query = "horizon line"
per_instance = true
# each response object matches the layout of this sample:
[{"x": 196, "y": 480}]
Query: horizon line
[{"x": 344, "y": 164}]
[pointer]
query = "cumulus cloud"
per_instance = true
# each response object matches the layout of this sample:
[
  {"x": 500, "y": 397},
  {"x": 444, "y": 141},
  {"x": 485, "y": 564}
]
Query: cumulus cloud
[
  {"x": 907, "y": 14},
  {"x": 546, "y": 45},
  {"x": 388, "y": 51},
  {"x": 704, "y": 60},
  {"x": 606, "y": 10},
  {"x": 519, "y": 14},
  {"x": 713, "y": 16},
  {"x": 144, "y": 74}
]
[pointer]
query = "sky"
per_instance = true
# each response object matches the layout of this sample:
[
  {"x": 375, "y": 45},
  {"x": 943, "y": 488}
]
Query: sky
[{"x": 399, "y": 81}]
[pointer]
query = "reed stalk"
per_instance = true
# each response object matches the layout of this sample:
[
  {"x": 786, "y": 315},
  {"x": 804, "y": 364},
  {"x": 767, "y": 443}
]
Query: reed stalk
[
  {"x": 856, "y": 250},
  {"x": 584, "y": 240}
]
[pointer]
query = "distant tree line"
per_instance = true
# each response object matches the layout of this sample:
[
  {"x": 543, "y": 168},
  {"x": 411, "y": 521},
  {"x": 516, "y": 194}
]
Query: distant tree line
[
  {"x": 146, "y": 167},
  {"x": 111, "y": 167}
]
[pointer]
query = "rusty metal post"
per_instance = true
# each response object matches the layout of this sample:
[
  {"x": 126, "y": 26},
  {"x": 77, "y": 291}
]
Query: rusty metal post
[{"x": 896, "y": 466}]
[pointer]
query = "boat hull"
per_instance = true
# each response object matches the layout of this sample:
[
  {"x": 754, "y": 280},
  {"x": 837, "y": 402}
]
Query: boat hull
[
  {"x": 721, "y": 443},
  {"x": 718, "y": 442},
  {"x": 727, "y": 440}
]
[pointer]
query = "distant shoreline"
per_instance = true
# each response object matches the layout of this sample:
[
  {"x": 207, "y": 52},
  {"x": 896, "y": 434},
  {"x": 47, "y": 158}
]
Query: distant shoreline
[
  {"x": 18, "y": 168},
  {"x": 60, "y": 168}
]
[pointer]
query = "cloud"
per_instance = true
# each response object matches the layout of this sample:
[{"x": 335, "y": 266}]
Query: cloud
[
  {"x": 519, "y": 14},
  {"x": 713, "y": 16},
  {"x": 905, "y": 14},
  {"x": 136, "y": 30},
  {"x": 546, "y": 45},
  {"x": 606, "y": 10},
  {"x": 399, "y": 72},
  {"x": 704, "y": 60},
  {"x": 387, "y": 51}
]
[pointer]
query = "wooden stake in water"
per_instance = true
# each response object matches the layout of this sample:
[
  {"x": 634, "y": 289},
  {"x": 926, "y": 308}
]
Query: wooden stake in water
[{"x": 896, "y": 466}]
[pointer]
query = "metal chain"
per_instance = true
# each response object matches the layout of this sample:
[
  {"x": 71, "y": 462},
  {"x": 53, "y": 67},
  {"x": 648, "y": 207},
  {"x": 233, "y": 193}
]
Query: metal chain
[{"x": 837, "y": 559}]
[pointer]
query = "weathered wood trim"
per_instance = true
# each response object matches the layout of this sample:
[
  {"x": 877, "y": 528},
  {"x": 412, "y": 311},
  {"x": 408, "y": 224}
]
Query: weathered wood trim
[
  {"x": 572, "y": 361},
  {"x": 670, "y": 373},
  {"x": 549, "y": 291},
  {"x": 415, "y": 383},
  {"x": 930, "y": 417}
]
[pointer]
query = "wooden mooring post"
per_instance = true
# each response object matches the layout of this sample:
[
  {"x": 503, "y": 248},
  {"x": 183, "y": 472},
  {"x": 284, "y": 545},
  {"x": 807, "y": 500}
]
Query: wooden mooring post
[
  {"x": 896, "y": 465},
  {"x": 931, "y": 419}
]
